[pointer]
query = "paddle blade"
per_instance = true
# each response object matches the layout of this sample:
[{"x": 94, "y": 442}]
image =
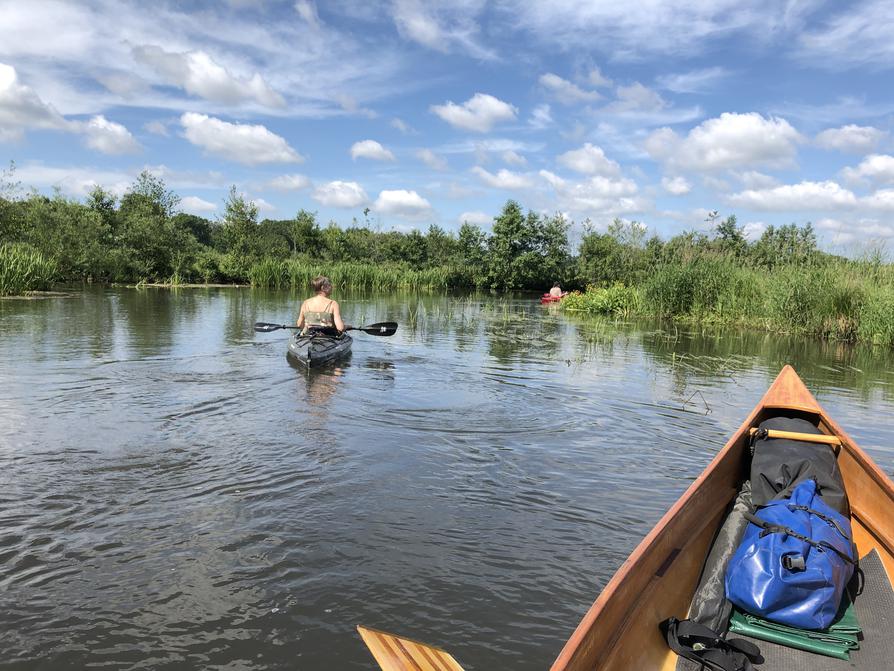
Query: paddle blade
[
  {"x": 264, "y": 327},
  {"x": 380, "y": 329},
  {"x": 394, "y": 653}
]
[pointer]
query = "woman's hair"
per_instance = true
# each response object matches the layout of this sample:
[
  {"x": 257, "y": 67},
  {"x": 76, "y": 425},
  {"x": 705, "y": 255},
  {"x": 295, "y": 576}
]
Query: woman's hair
[
  {"x": 321, "y": 283},
  {"x": 556, "y": 285}
]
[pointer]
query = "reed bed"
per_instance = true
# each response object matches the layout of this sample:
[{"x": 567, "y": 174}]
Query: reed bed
[
  {"x": 840, "y": 301},
  {"x": 294, "y": 273},
  {"x": 23, "y": 269}
]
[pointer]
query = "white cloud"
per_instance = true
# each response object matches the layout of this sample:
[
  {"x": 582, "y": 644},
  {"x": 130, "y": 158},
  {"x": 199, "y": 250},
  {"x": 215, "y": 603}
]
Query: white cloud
[
  {"x": 728, "y": 141},
  {"x": 851, "y": 138},
  {"x": 479, "y": 113},
  {"x": 589, "y": 160},
  {"x": 74, "y": 181},
  {"x": 307, "y": 10},
  {"x": 475, "y": 218},
  {"x": 244, "y": 143},
  {"x": 195, "y": 205},
  {"x": 370, "y": 149},
  {"x": 431, "y": 159},
  {"x": 402, "y": 203},
  {"x": 752, "y": 179},
  {"x": 753, "y": 230},
  {"x": 807, "y": 196},
  {"x": 857, "y": 36},
  {"x": 442, "y": 26},
  {"x": 156, "y": 128},
  {"x": 694, "y": 81},
  {"x": 596, "y": 195},
  {"x": 597, "y": 79},
  {"x": 875, "y": 167},
  {"x": 883, "y": 200},
  {"x": 294, "y": 182},
  {"x": 340, "y": 194},
  {"x": 503, "y": 179},
  {"x": 636, "y": 31},
  {"x": 566, "y": 92},
  {"x": 636, "y": 98},
  {"x": 198, "y": 74},
  {"x": 402, "y": 126},
  {"x": 109, "y": 137},
  {"x": 540, "y": 117},
  {"x": 677, "y": 186},
  {"x": 865, "y": 229},
  {"x": 22, "y": 108},
  {"x": 263, "y": 205},
  {"x": 514, "y": 158}
]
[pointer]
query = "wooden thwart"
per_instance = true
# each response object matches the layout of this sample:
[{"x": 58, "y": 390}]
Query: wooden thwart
[
  {"x": 394, "y": 653},
  {"x": 806, "y": 437}
]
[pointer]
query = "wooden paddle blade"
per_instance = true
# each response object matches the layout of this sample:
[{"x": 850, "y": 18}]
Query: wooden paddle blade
[
  {"x": 264, "y": 327},
  {"x": 394, "y": 653}
]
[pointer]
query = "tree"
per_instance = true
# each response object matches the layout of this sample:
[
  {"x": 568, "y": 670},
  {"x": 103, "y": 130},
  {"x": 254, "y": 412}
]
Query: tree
[
  {"x": 306, "y": 235},
  {"x": 513, "y": 249},
  {"x": 240, "y": 225},
  {"x": 729, "y": 237}
]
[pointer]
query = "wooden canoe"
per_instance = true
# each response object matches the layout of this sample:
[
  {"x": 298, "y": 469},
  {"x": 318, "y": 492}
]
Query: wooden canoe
[{"x": 620, "y": 630}]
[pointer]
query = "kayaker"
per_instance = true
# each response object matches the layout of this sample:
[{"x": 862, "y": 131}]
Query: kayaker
[
  {"x": 556, "y": 291},
  {"x": 320, "y": 310}
]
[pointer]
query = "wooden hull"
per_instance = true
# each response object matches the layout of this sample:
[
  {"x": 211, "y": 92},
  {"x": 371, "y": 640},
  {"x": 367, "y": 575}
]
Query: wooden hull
[{"x": 620, "y": 631}]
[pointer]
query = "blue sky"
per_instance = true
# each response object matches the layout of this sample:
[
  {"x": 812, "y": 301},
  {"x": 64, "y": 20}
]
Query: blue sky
[{"x": 437, "y": 112}]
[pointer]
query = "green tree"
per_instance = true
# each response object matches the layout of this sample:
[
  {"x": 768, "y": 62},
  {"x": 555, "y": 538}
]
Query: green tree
[
  {"x": 729, "y": 237},
  {"x": 240, "y": 227},
  {"x": 513, "y": 249}
]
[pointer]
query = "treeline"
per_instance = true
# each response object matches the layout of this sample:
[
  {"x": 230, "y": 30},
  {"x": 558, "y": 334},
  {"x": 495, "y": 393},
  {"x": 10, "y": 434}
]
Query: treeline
[
  {"x": 143, "y": 237},
  {"x": 782, "y": 281}
]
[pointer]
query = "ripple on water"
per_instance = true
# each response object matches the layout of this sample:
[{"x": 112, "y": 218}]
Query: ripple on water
[{"x": 175, "y": 495}]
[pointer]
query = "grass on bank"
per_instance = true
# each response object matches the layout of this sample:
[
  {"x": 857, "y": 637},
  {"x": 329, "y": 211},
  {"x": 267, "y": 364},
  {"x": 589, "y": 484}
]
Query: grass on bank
[
  {"x": 23, "y": 269},
  {"x": 845, "y": 301}
]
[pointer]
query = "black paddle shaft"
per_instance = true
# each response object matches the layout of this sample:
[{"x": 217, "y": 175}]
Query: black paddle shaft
[{"x": 380, "y": 329}]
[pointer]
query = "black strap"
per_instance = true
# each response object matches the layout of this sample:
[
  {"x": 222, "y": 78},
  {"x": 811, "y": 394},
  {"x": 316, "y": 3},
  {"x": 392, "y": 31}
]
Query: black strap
[
  {"x": 698, "y": 643},
  {"x": 825, "y": 518},
  {"x": 769, "y": 528}
]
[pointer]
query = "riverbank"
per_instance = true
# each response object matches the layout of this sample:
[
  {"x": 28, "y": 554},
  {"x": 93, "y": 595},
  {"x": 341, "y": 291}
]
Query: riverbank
[{"x": 847, "y": 300}]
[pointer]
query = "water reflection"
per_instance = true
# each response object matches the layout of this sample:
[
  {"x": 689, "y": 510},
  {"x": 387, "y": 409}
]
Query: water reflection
[{"x": 170, "y": 484}]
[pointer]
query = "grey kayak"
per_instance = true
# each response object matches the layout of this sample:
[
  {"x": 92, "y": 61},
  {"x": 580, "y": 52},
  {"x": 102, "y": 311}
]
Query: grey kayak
[{"x": 316, "y": 349}]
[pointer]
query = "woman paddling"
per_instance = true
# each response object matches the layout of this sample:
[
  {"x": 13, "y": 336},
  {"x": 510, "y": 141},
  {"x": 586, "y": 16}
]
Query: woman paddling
[
  {"x": 556, "y": 291},
  {"x": 320, "y": 311}
]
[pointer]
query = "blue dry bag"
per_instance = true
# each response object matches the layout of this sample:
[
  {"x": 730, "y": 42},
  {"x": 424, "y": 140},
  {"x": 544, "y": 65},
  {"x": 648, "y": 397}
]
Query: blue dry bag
[{"x": 794, "y": 561}]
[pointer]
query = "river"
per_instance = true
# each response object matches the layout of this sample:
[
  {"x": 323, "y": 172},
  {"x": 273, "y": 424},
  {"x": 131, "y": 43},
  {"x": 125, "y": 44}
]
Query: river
[{"x": 175, "y": 495}]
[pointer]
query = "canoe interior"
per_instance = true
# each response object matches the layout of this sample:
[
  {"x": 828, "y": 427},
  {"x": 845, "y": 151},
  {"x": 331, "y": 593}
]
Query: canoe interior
[{"x": 620, "y": 631}]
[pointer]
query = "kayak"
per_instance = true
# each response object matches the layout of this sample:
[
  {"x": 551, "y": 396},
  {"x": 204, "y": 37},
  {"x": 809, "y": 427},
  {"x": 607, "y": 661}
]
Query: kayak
[
  {"x": 547, "y": 298},
  {"x": 316, "y": 349},
  {"x": 620, "y": 631}
]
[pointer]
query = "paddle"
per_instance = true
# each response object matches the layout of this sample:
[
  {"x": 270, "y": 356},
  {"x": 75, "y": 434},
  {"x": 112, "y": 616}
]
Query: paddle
[{"x": 380, "y": 329}]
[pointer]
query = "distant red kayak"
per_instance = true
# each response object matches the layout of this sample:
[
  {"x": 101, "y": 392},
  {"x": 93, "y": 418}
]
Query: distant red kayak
[{"x": 546, "y": 298}]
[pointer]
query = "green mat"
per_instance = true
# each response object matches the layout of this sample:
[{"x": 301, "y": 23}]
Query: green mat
[{"x": 836, "y": 641}]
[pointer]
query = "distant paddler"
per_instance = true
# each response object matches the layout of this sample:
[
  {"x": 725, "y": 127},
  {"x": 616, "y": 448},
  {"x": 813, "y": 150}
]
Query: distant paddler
[{"x": 556, "y": 291}]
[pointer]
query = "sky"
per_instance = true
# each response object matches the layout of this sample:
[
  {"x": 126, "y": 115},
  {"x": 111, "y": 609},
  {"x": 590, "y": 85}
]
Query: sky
[{"x": 411, "y": 113}]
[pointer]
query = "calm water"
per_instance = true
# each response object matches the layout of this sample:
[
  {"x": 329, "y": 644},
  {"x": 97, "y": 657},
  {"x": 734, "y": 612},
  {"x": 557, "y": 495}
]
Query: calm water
[{"x": 174, "y": 495}]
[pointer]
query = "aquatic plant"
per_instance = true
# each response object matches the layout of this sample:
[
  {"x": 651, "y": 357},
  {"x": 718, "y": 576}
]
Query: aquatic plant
[{"x": 23, "y": 268}]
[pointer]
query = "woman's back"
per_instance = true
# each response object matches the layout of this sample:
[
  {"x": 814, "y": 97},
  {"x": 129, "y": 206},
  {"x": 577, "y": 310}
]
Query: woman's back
[{"x": 318, "y": 311}]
